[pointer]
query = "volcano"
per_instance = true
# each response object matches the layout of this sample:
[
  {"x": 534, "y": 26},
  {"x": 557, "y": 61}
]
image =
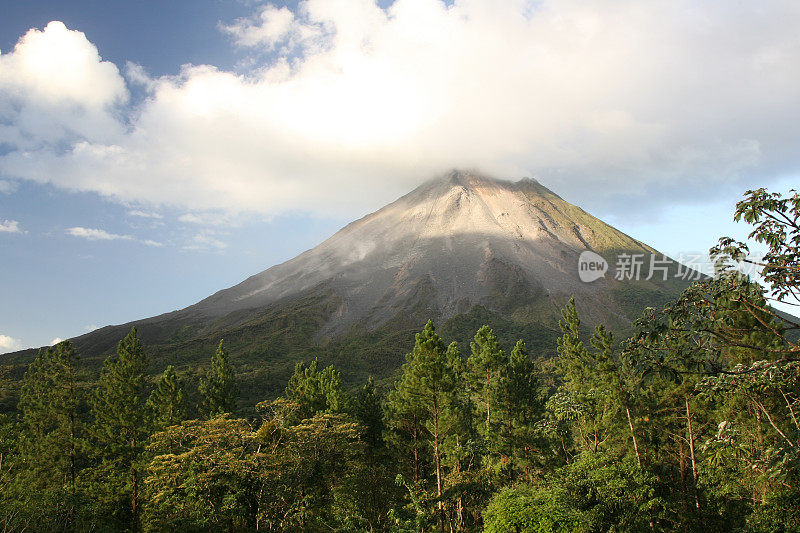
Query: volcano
[
  {"x": 448, "y": 245},
  {"x": 464, "y": 249}
]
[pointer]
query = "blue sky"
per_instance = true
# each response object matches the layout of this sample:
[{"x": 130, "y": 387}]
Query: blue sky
[
  {"x": 152, "y": 153},
  {"x": 161, "y": 35}
]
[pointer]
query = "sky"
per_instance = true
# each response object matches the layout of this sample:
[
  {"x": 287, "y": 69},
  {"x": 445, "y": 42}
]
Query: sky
[{"x": 152, "y": 153}]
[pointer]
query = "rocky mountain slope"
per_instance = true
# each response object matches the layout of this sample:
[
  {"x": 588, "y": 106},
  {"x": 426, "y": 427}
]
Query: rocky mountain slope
[{"x": 464, "y": 239}]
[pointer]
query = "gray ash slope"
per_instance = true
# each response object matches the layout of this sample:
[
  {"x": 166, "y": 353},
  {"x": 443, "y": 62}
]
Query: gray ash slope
[
  {"x": 467, "y": 239},
  {"x": 462, "y": 249}
]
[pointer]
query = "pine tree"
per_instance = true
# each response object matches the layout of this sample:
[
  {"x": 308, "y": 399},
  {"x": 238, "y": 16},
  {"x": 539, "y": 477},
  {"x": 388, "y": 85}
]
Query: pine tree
[
  {"x": 427, "y": 385},
  {"x": 218, "y": 389},
  {"x": 462, "y": 446},
  {"x": 405, "y": 420},
  {"x": 51, "y": 433},
  {"x": 373, "y": 487},
  {"x": 368, "y": 411},
  {"x": 11, "y": 491},
  {"x": 120, "y": 429},
  {"x": 166, "y": 405},
  {"x": 522, "y": 410},
  {"x": 583, "y": 392},
  {"x": 485, "y": 362},
  {"x": 315, "y": 391}
]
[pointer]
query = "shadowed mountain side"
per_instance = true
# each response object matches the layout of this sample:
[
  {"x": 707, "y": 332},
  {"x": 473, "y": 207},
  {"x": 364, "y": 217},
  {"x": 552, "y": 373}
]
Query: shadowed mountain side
[{"x": 440, "y": 286}]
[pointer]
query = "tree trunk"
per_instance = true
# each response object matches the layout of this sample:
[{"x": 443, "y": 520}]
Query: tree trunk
[
  {"x": 694, "y": 461},
  {"x": 437, "y": 458},
  {"x": 633, "y": 436},
  {"x": 684, "y": 489},
  {"x": 72, "y": 474},
  {"x": 488, "y": 405},
  {"x": 134, "y": 502},
  {"x": 510, "y": 430},
  {"x": 460, "y": 501},
  {"x": 415, "y": 436}
]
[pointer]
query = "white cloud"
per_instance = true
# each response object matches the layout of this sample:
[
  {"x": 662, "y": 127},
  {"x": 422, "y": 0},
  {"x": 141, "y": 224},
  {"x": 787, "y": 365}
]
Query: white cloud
[
  {"x": 191, "y": 218},
  {"x": 269, "y": 27},
  {"x": 94, "y": 234},
  {"x": 144, "y": 214},
  {"x": 9, "y": 226},
  {"x": 7, "y": 344},
  {"x": 207, "y": 219},
  {"x": 666, "y": 100},
  {"x": 205, "y": 241},
  {"x": 56, "y": 341},
  {"x": 54, "y": 88},
  {"x": 7, "y": 187}
]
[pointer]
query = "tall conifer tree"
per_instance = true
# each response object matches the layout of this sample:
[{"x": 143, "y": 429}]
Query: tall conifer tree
[
  {"x": 166, "y": 404},
  {"x": 316, "y": 391},
  {"x": 120, "y": 429},
  {"x": 521, "y": 410},
  {"x": 427, "y": 385},
  {"x": 51, "y": 438},
  {"x": 485, "y": 362},
  {"x": 218, "y": 389}
]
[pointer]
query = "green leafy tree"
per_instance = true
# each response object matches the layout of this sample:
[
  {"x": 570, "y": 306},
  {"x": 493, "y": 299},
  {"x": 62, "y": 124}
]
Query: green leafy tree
[
  {"x": 705, "y": 332},
  {"x": 406, "y": 435},
  {"x": 717, "y": 355},
  {"x": 218, "y": 390},
  {"x": 600, "y": 383},
  {"x": 465, "y": 483},
  {"x": 750, "y": 459},
  {"x": 597, "y": 492},
  {"x": 776, "y": 224},
  {"x": 14, "y": 496},
  {"x": 203, "y": 476},
  {"x": 219, "y": 474},
  {"x": 328, "y": 452},
  {"x": 368, "y": 410}
]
